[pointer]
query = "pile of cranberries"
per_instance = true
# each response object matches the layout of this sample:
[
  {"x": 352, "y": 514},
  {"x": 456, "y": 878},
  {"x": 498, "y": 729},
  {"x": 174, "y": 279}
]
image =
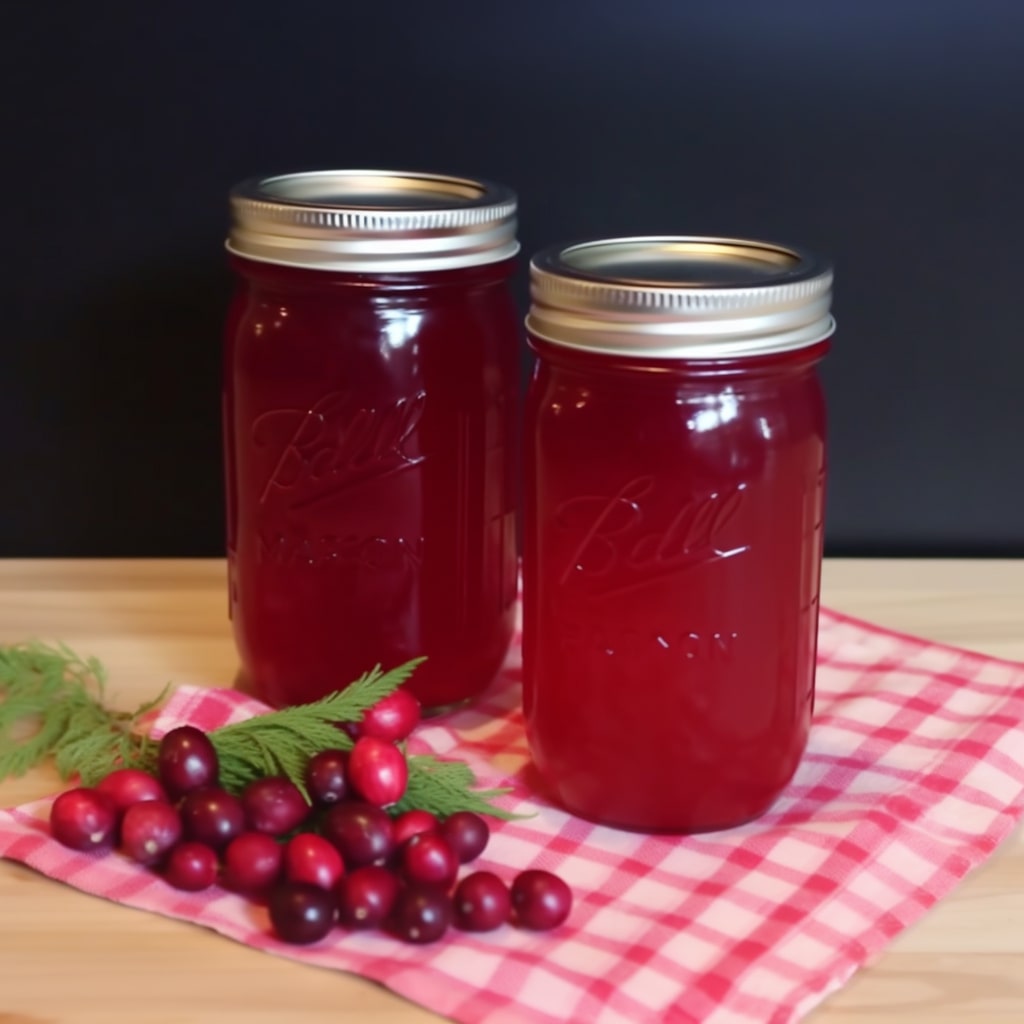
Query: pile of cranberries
[{"x": 342, "y": 860}]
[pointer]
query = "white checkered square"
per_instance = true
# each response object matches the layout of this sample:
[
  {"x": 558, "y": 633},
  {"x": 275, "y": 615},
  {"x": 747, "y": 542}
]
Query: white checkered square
[
  {"x": 548, "y": 993},
  {"x": 650, "y": 987},
  {"x": 728, "y": 919},
  {"x": 994, "y": 781},
  {"x": 612, "y": 923},
  {"x": 802, "y": 948},
  {"x": 693, "y": 954},
  {"x": 587, "y": 958}
]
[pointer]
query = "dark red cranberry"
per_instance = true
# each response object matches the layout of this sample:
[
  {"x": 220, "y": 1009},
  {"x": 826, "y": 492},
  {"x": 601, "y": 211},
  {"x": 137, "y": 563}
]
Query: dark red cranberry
[
  {"x": 467, "y": 834},
  {"x": 540, "y": 900},
  {"x": 422, "y": 913},
  {"x": 392, "y": 718},
  {"x": 481, "y": 902},
  {"x": 377, "y": 771},
  {"x": 186, "y": 761},
  {"x": 252, "y": 862},
  {"x": 366, "y": 896},
  {"x": 327, "y": 777},
  {"x": 191, "y": 866},
  {"x": 212, "y": 816},
  {"x": 353, "y": 730},
  {"x": 361, "y": 833},
  {"x": 127, "y": 786},
  {"x": 311, "y": 858},
  {"x": 274, "y": 805},
  {"x": 301, "y": 913},
  {"x": 83, "y": 819},
  {"x": 150, "y": 830},
  {"x": 426, "y": 857},
  {"x": 413, "y": 822}
]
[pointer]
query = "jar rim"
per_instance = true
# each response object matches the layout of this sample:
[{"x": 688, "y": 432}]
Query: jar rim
[
  {"x": 372, "y": 221},
  {"x": 680, "y": 296}
]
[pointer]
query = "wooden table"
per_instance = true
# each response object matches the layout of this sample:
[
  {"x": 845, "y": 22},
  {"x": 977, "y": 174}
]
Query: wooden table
[{"x": 65, "y": 956}]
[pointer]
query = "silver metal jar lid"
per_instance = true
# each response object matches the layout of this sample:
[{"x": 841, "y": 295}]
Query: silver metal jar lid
[
  {"x": 680, "y": 297},
  {"x": 372, "y": 221}
]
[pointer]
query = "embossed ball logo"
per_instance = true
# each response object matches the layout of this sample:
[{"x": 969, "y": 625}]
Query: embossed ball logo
[
  {"x": 617, "y": 542},
  {"x": 337, "y": 442}
]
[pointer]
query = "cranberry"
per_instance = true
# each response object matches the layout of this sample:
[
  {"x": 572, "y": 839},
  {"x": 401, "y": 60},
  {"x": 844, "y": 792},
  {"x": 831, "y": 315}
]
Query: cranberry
[
  {"x": 83, "y": 819},
  {"x": 421, "y": 913},
  {"x": 361, "y": 833},
  {"x": 191, "y": 866},
  {"x": 377, "y": 770},
  {"x": 366, "y": 896},
  {"x": 212, "y": 816},
  {"x": 274, "y": 805},
  {"x": 481, "y": 902},
  {"x": 301, "y": 913},
  {"x": 149, "y": 831},
  {"x": 311, "y": 858},
  {"x": 467, "y": 834},
  {"x": 392, "y": 718},
  {"x": 127, "y": 786},
  {"x": 252, "y": 862},
  {"x": 412, "y": 822},
  {"x": 426, "y": 857},
  {"x": 540, "y": 899},
  {"x": 327, "y": 777},
  {"x": 186, "y": 761}
]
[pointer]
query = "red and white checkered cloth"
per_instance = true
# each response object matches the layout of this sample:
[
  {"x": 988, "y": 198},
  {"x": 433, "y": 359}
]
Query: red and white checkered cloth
[{"x": 914, "y": 773}]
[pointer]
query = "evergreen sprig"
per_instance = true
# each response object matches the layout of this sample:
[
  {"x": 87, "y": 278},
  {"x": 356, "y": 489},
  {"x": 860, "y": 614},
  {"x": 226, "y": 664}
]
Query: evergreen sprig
[
  {"x": 444, "y": 787},
  {"x": 52, "y": 705},
  {"x": 281, "y": 742}
]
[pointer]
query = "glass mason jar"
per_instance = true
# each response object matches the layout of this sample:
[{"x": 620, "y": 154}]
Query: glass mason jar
[
  {"x": 675, "y": 474},
  {"x": 371, "y": 368}
]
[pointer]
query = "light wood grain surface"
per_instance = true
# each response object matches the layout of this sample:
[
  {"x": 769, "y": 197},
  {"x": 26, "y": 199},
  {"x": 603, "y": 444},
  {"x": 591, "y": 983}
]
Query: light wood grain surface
[{"x": 65, "y": 956}]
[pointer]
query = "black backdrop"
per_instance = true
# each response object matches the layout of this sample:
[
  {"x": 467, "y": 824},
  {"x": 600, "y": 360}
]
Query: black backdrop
[{"x": 889, "y": 135}]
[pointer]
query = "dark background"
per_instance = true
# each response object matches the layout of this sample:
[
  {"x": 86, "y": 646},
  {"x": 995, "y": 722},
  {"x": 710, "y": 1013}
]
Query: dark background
[{"x": 888, "y": 135}]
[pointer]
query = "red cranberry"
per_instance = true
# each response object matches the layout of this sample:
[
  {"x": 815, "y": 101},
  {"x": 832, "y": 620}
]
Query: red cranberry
[
  {"x": 426, "y": 857},
  {"x": 377, "y": 771},
  {"x": 327, "y": 777},
  {"x": 191, "y": 866},
  {"x": 366, "y": 896},
  {"x": 127, "y": 786},
  {"x": 252, "y": 862},
  {"x": 361, "y": 833},
  {"x": 540, "y": 899},
  {"x": 150, "y": 830},
  {"x": 421, "y": 913},
  {"x": 83, "y": 819},
  {"x": 301, "y": 913},
  {"x": 412, "y": 822},
  {"x": 186, "y": 761},
  {"x": 393, "y": 718},
  {"x": 311, "y": 858},
  {"x": 481, "y": 902},
  {"x": 467, "y": 834},
  {"x": 212, "y": 816},
  {"x": 274, "y": 805}
]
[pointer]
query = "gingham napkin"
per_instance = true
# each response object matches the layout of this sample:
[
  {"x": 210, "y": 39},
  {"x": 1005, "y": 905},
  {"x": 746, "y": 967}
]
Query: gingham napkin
[{"x": 914, "y": 773}]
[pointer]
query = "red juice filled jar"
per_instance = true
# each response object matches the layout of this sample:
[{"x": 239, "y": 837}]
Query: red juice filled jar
[
  {"x": 673, "y": 504},
  {"x": 371, "y": 366}
]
